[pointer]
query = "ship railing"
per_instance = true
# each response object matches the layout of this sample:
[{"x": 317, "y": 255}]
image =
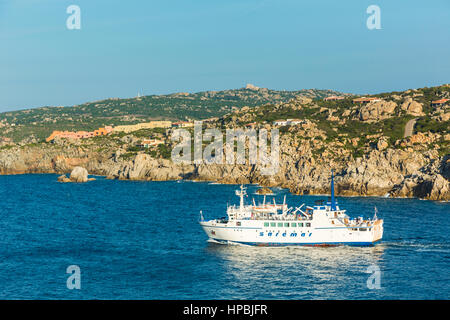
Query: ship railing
[
  {"x": 358, "y": 222},
  {"x": 280, "y": 217}
]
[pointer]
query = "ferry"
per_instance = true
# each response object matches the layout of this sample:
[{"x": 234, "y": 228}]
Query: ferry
[{"x": 272, "y": 224}]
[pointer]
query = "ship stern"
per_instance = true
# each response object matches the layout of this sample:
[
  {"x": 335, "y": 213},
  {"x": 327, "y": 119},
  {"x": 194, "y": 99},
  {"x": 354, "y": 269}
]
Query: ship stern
[{"x": 377, "y": 232}]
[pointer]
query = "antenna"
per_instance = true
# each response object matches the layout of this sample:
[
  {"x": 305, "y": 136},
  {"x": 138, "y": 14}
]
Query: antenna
[{"x": 241, "y": 196}]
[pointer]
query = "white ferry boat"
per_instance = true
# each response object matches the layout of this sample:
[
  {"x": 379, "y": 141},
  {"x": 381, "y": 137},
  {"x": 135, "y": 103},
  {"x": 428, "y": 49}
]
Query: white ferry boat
[{"x": 271, "y": 224}]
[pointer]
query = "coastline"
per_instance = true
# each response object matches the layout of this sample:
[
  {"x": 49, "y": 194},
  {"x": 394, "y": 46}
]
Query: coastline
[
  {"x": 363, "y": 141},
  {"x": 215, "y": 182}
]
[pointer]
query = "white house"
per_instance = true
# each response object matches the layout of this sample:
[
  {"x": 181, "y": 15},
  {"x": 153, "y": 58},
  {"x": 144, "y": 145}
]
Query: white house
[
  {"x": 280, "y": 122},
  {"x": 288, "y": 122}
]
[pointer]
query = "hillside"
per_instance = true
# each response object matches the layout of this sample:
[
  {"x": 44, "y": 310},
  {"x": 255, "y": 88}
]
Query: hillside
[
  {"x": 366, "y": 141},
  {"x": 40, "y": 122},
  {"x": 359, "y": 127}
]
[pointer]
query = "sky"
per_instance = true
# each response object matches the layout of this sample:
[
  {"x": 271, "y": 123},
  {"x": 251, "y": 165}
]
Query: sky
[{"x": 157, "y": 47}]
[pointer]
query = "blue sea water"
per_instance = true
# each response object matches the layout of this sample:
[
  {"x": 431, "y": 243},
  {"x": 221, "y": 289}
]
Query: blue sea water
[{"x": 141, "y": 240}]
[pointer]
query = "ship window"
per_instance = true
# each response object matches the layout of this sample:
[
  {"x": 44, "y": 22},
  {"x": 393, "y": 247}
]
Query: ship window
[
  {"x": 280, "y": 224},
  {"x": 308, "y": 224},
  {"x": 286, "y": 224},
  {"x": 300, "y": 224},
  {"x": 362, "y": 229},
  {"x": 293, "y": 224},
  {"x": 266, "y": 224},
  {"x": 238, "y": 223},
  {"x": 273, "y": 224}
]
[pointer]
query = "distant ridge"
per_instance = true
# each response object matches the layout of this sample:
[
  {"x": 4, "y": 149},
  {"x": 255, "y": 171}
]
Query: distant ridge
[{"x": 116, "y": 111}]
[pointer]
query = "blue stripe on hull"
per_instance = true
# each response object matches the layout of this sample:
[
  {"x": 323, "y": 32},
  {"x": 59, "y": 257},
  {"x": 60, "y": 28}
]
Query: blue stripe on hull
[{"x": 318, "y": 244}]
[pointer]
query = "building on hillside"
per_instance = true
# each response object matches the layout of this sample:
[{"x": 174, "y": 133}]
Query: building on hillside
[
  {"x": 182, "y": 124},
  {"x": 439, "y": 102},
  {"x": 333, "y": 98},
  {"x": 288, "y": 122},
  {"x": 150, "y": 143},
  {"x": 363, "y": 100},
  {"x": 293, "y": 122},
  {"x": 103, "y": 131},
  {"x": 280, "y": 123},
  {"x": 79, "y": 134}
]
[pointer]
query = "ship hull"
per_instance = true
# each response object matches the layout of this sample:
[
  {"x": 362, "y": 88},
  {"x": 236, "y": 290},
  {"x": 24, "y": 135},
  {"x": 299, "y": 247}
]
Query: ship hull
[
  {"x": 301, "y": 244},
  {"x": 249, "y": 232}
]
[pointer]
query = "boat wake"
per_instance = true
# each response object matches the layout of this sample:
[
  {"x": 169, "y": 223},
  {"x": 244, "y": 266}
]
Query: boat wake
[
  {"x": 421, "y": 247},
  {"x": 229, "y": 243}
]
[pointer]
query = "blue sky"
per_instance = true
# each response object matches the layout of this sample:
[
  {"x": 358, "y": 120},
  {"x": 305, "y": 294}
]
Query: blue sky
[{"x": 158, "y": 47}]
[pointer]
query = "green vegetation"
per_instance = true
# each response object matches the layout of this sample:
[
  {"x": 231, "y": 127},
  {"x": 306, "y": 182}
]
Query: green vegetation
[
  {"x": 164, "y": 151},
  {"x": 145, "y": 133},
  {"x": 335, "y": 126},
  {"x": 128, "y": 155},
  {"x": 425, "y": 124},
  {"x": 134, "y": 148}
]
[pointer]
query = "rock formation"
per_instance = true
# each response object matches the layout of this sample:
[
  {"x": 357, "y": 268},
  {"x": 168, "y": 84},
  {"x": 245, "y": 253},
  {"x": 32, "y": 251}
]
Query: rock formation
[
  {"x": 412, "y": 107},
  {"x": 369, "y": 154},
  {"x": 375, "y": 111},
  {"x": 78, "y": 174},
  {"x": 264, "y": 190}
]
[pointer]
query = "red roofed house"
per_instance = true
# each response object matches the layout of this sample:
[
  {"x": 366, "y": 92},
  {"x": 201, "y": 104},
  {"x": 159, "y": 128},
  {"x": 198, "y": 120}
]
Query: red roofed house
[
  {"x": 182, "y": 124},
  {"x": 439, "y": 102},
  {"x": 366, "y": 100}
]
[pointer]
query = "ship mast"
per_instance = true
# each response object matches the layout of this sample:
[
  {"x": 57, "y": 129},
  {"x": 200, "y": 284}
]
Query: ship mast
[
  {"x": 241, "y": 195},
  {"x": 333, "y": 200}
]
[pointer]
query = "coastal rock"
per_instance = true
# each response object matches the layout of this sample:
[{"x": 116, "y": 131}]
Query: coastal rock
[
  {"x": 401, "y": 173},
  {"x": 365, "y": 164},
  {"x": 64, "y": 178},
  {"x": 440, "y": 189},
  {"x": 79, "y": 174},
  {"x": 424, "y": 186},
  {"x": 144, "y": 167},
  {"x": 431, "y": 182},
  {"x": 264, "y": 190}
]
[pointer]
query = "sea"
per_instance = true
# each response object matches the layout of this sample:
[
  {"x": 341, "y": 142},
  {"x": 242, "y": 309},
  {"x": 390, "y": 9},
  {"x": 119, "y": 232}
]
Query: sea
[{"x": 110, "y": 239}]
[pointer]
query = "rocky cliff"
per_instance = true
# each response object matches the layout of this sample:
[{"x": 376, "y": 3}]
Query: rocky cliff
[
  {"x": 364, "y": 144},
  {"x": 390, "y": 172}
]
